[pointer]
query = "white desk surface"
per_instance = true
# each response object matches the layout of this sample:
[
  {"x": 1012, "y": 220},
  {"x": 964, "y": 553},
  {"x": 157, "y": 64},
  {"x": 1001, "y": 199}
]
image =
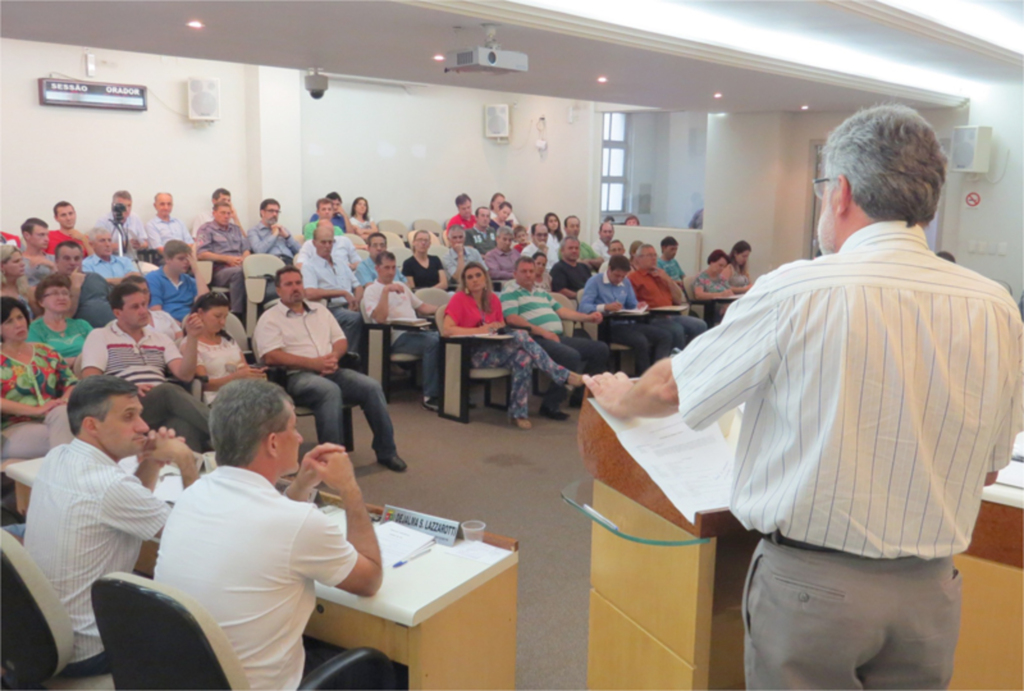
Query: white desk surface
[
  {"x": 1004, "y": 494},
  {"x": 409, "y": 595}
]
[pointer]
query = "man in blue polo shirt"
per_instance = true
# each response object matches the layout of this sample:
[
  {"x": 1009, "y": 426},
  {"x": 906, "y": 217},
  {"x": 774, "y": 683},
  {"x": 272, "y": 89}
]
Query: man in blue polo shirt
[
  {"x": 366, "y": 272},
  {"x": 171, "y": 289},
  {"x": 103, "y": 261}
]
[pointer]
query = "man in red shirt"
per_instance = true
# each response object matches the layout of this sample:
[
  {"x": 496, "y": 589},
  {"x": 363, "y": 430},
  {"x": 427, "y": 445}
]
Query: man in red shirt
[
  {"x": 64, "y": 214},
  {"x": 465, "y": 217},
  {"x": 655, "y": 287}
]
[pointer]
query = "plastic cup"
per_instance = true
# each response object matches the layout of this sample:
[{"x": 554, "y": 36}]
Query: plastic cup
[{"x": 473, "y": 531}]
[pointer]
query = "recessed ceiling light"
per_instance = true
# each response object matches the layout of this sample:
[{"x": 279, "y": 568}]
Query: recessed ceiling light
[
  {"x": 602, "y": 80},
  {"x": 439, "y": 57},
  {"x": 195, "y": 24},
  {"x": 718, "y": 95},
  {"x": 804, "y": 107}
]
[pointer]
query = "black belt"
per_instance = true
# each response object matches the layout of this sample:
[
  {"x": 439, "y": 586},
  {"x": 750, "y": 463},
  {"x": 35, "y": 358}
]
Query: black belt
[{"x": 780, "y": 539}]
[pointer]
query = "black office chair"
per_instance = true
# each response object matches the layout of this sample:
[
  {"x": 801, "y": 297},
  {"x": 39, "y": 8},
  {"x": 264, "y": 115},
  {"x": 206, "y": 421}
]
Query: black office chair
[
  {"x": 157, "y": 637},
  {"x": 36, "y": 632}
]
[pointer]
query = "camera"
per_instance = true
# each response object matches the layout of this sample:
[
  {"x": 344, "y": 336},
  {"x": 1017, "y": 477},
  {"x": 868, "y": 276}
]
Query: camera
[
  {"x": 317, "y": 85},
  {"x": 119, "y": 210}
]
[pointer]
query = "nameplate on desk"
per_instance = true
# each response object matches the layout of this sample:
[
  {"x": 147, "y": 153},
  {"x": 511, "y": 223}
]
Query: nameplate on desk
[{"x": 443, "y": 530}]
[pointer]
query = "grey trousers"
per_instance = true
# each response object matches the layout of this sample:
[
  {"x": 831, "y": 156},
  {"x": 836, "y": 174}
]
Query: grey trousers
[
  {"x": 819, "y": 620},
  {"x": 169, "y": 405}
]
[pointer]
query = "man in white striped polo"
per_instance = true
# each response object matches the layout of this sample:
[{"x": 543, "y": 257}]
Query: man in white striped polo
[{"x": 883, "y": 391}]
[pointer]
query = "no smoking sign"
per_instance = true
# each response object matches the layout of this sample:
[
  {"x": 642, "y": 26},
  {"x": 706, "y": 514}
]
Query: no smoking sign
[{"x": 973, "y": 199}]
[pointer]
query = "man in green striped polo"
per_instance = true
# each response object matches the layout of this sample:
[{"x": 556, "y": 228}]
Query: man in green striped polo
[{"x": 526, "y": 306}]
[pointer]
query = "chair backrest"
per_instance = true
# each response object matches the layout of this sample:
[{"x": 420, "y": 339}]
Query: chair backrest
[
  {"x": 437, "y": 250},
  {"x": 392, "y": 226},
  {"x": 363, "y": 254},
  {"x": 36, "y": 629},
  {"x": 688, "y": 287},
  {"x": 568, "y": 325},
  {"x": 401, "y": 254},
  {"x": 204, "y": 267},
  {"x": 257, "y": 268},
  {"x": 395, "y": 240},
  {"x": 434, "y": 296},
  {"x": 234, "y": 327},
  {"x": 428, "y": 224},
  {"x": 147, "y": 268},
  {"x": 439, "y": 316},
  {"x": 140, "y": 621},
  {"x": 358, "y": 668}
]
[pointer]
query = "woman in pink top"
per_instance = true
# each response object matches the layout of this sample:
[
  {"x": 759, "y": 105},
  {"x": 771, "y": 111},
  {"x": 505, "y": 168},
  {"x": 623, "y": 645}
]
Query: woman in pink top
[{"x": 476, "y": 310}]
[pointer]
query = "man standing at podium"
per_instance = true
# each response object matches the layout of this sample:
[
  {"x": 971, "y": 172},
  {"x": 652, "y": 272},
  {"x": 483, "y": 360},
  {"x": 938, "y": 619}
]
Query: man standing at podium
[{"x": 883, "y": 391}]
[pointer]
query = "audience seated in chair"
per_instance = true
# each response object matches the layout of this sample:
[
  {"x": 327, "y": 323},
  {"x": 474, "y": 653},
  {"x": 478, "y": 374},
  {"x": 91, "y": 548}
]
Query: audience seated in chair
[
  {"x": 386, "y": 299},
  {"x": 15, "y": 285},
  {"x": 476, "y": 310},
  {"x": 366, "y": 272},
  {"x": 605, "y": 234},
  {"x": 134, "y": 232},
  {"x": 464, "y": 218},
  {"x": 171, "y": 288},
  {"x": 541, "y": 243},
  {"x": 554, "y": 226},
  {"x": 219, "y": 359},
  {"x": 713, "y": 282},
  {"x": 616, "y": 248},
  {"x": 130, "y": 349},
  {"x": 305, "y": 338},
  {"x": 329, "y": 209},
  {"x": 35, "y": 383},
  {"x": 520, "y": 238},
  {"x": 55, "y": 327},
  {"x": 481, "y": 236},
  {"x": 362, "y": 224},
  {"x": 219, "y": 195},
  {"x": 66, "y": 216},
  {"x": 653, "y": 286},
  {"x": 159, "y": 321},
  {"x": 88, "y": 517},
  {"x": 667, "y": 261},
  {"x": 163, "y": 228},
  {"x": 103, "y": 261},
  {"x": 501, "y": 261},
  {"x": 498, "y": 208},
  {"x": 739, "y": 262},
  {"x": 224, "y": 243},
  {"x": 89, "y": 291},
  {"x": 532, "y": 308},
  {"x": 570, "y": 275},
  {"x": 459, "y": 255},
  {"x": 324, "y": 279},
  {"x": 343, "y": 251},
  {"x": 588, "y": 255},
  {"x": 255, "y": 574},
  {"x": 423, "y": 270},
  {"x": 269, "y": 237},
  {"x": 35, "y": 239},
  {"x": 611, "y": 292},
  {"x": 541, "y": 275}
]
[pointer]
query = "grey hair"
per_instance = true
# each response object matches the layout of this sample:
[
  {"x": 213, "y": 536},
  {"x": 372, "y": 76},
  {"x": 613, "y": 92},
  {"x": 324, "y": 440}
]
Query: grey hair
[
  {"x": 122, "y": 194},
  {"x": 505, "y": 230},
  {"x": 245, "y": 413},
  {"x": 91, "y": 398},
  {"x": 893, "y": 162},
  {"x": 646, "y": 246},
  {"x": 159, "y": 194},
  {"x": 96, "y": 231},
  {"x": 569, "y": 238}
]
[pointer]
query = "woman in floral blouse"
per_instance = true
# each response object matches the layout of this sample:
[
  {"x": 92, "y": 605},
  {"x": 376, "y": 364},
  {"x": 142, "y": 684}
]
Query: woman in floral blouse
[
  {"x": 713, "y": 282},
  {"x": 35, "y": 383}
]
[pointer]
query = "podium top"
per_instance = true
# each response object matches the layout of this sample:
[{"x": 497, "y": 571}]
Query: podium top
[{"x": 606, "y": 460}]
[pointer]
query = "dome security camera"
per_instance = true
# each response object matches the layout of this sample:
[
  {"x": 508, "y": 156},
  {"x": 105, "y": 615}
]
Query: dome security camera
[{"x": 317, "y": 85}]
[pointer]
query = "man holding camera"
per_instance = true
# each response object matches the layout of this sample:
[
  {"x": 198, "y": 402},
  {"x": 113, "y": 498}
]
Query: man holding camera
[{"x": 126, "y": 228}]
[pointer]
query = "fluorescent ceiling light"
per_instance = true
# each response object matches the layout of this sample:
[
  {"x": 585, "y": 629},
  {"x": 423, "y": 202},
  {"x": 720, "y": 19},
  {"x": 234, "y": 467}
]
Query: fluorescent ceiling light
[
  {"x": 667, "y": 18},
  {"x": 971, "y": 18}
]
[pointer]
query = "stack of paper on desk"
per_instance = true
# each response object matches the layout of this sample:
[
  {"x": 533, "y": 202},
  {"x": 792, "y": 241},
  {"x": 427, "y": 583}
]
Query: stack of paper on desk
[
  {"x": 408, "y": 321},
  {"x": 398, "y": 543}
]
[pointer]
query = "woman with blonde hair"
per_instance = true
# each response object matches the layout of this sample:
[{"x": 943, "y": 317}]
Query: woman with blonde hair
[
  {"x": 14, "y": 283},
  {"x": 476, "y": 311}
]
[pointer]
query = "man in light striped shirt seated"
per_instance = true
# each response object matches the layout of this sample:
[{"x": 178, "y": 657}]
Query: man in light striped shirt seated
[
  {"x": 130, "y": 348},
  {"x": 883, "y": 391}
]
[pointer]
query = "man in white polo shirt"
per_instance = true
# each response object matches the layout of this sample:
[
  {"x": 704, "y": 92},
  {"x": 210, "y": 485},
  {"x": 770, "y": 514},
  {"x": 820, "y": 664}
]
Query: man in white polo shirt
[
  {"x": 88, "y": 517},
  {"x": 130, "y": 348},
  {"x": 343, "y": 251},
  {"x": 402, "y": 303},
  {"x": 262, "y": 552},
  {"x": 304, "y": 337}
]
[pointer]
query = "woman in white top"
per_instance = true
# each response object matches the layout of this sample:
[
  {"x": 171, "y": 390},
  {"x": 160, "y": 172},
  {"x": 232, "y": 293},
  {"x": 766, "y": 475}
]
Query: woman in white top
[
  {"x": 220, "y": 359},
  {"x": 362, "y": 224}
]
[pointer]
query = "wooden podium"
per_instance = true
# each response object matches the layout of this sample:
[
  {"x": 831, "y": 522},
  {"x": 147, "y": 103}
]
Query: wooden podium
[{"x": 660, "y": 616}]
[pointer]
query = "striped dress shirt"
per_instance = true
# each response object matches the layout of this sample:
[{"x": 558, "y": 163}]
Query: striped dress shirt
[
  {"x": 881, "y": 384},
  {"x": 87, "y": 518}
]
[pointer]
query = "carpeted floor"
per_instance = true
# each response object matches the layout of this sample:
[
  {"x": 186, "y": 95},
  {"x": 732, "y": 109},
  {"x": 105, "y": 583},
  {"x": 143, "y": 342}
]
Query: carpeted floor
[{"x": 512, "y": 480}]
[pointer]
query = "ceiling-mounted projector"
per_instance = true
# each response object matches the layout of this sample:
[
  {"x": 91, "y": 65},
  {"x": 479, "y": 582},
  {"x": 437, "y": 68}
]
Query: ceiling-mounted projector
[{"x": 486, "y": 58}]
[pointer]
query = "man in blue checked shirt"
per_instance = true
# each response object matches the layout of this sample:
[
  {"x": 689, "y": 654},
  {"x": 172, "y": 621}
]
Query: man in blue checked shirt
[
  {"x": 268, "y": 237},
  {"x": 103, "y": 261},
  {"x": 366, "y": 272}
]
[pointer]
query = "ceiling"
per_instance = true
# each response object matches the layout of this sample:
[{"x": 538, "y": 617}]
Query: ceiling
[{"x": 394, "y": 40}]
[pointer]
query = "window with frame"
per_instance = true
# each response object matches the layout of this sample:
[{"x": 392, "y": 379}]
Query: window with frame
[{"x": 614, "y": 149}]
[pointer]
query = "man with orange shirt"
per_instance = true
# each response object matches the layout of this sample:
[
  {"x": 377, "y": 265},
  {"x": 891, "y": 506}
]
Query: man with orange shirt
[{"x": 655, "y": 287}]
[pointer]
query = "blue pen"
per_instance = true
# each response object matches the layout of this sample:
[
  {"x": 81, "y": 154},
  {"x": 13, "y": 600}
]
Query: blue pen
[{"x": 406, "y": 561}]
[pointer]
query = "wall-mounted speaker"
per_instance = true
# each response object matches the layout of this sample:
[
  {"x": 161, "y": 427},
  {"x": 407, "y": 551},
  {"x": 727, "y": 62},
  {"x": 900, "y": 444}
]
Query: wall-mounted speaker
[
  {"x": 203, "y": 99},
  {"x": 496, "y": 121},
  {"x": 971, "y": 147}
]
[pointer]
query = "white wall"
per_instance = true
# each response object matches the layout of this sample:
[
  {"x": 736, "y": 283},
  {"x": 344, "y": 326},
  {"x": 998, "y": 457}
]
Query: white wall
[
  {"x": 411, "y": 152},
  {"x": 83, "y": 155}
]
